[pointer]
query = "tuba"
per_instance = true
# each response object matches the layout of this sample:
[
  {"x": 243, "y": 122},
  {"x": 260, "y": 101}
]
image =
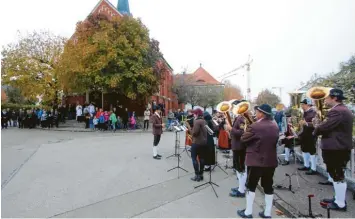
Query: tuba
[
  {"x": 243, "y": 109},
  {"x": 318, "y": 94},
  {"x": 225, "y": 107},
  {"x": 296, "y": 112}
]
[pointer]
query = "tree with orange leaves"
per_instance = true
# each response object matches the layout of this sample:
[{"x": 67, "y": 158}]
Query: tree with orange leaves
[{"x": 232, "y": 91}]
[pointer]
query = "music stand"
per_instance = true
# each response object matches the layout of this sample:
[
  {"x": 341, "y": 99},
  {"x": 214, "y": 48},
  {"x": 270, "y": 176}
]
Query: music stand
[
  {"x": 176, "y": 154},
  {"x": 210, "y": 183},
  {"x": 183, "y": 128},
  {"x": 217, "y": 164},
  {"x": 177, "y": 142}
]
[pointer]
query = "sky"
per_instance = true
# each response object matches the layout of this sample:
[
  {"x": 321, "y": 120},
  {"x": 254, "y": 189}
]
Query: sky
[{"x": 288, "y": 40}]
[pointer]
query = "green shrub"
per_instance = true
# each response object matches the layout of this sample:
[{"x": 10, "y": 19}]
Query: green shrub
[{"x": 15, "y": 106}]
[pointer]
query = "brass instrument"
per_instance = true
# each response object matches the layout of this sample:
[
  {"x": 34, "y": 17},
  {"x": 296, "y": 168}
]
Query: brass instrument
[
  {"x": 318, "y": 94},
  {"x": 243, "y": 109},
  {"x": 189, "y": 129},
  {"x": 280, "y": 107},
  {"x": 209, "y": 130},
  {"x": 296, "y": 111},
  {"x": 225, "y": 107}
]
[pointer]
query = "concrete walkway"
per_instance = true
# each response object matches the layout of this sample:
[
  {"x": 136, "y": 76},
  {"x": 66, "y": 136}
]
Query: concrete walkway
[{"x": 67, "y": 174}]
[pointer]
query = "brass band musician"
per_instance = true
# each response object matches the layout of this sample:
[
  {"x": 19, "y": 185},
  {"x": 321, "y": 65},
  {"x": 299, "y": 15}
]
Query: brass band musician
[
  {"x": 307, "y": 140},
  {"x": 189, "y": 123},
  {"x": 223, "y": 135}
]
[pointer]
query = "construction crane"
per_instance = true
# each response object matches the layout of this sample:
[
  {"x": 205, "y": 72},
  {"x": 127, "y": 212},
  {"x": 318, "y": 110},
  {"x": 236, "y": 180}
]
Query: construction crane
[{"x": 232, "y": 73}]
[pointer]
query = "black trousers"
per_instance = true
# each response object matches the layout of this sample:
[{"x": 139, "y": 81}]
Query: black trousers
[
  {"x": 336, "y": 161},
  {"x": 239, "y": 160},
  {"x": 266, "y": 175},
  {"x": 146, "y": 123},
  {"x": 308, "y": 144},
  {"x": 200, "y": 151},
  {"x": 156, "y": 140}
]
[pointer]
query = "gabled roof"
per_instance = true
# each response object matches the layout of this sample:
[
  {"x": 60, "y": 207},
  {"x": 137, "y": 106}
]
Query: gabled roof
[
  {"x": 111, "y": 6},
  {"x": 199, "y": 77}
]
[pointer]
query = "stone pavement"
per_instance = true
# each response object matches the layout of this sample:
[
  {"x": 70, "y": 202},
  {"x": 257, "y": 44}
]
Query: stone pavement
[
  {"x": 69, "y": 174},
  {"x": 297, "y": 203}
]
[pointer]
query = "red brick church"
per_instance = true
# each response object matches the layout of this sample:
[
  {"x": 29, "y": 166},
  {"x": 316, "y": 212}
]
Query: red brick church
[{"x": 164, "y": 96}]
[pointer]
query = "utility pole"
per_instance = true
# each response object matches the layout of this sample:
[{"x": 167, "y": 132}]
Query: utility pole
[{"x": 280, "y": 91}]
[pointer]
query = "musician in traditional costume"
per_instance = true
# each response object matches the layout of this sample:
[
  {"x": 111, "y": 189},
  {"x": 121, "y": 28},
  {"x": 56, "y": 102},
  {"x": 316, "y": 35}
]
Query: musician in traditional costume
[
  {"x": 307, "y": 140},
  {"x": 289, "y": 140},
  {"x": 238, "y": 149},
  {"x": 210, "y": 158},
  {"x": 336, "y": 143},
  {"x": 260, "y": 139},
  {"x": 158, "y": 126},
  {"x": 199, "y": 144},
  {"x": 189, "y": 124},
  {"x": 223, "y": 136}
]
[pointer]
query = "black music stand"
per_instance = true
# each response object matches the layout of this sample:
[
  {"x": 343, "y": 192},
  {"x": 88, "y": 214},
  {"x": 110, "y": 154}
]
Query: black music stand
[
  {"x": 210, "y": 183},
  {"x": 177, "y": 144},
  {"x": 217, "y": 164},
  {"x": 176, "y": 154}
]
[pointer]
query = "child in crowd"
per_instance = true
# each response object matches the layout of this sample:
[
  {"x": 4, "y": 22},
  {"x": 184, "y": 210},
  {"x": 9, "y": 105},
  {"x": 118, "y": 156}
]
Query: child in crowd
[{"x": 113, "y": 120}]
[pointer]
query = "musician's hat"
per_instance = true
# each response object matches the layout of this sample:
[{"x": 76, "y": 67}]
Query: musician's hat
[
  {"x": 337, "y": 93},
  {"x": 197, "y": 112},
  {"x": 264, "y": 108},
  {"x": 306, "y": 101}
]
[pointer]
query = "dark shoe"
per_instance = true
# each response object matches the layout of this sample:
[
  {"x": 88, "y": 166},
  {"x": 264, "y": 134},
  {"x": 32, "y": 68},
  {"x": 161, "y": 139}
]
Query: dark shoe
[
  {"x": 334, "y": 206},
  {"x": 303, "y": 168},
  {"x": 311, "y": 172},
  {"x": 157, "y": 158},
  {"x": 285, "y": 163},
  {"x": 325, "y": 183},
  {"x": 201, "y": 177},
  {"x": 196, "y": 178},
  {"x": 327, "y": 200},
  {"x": 159, "y": 155},
  {"x": 262, "y": 215},
  {"x": 241, "y": 213},
  {"x": 237, "y": 194},
  {"x": 234, "y": 189}
]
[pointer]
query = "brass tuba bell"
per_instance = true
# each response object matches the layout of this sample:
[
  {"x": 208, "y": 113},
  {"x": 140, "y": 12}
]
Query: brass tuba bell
[
  {"x": 318, "y": 94},
  {"x": 243, "y": 109},
  {"x": 225, "y": 107},
  {"x": 296, "y": 112}
]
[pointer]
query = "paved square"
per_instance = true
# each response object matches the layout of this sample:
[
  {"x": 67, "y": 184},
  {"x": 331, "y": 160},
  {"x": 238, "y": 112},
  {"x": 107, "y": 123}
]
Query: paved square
[{"x": 68, "y": 174}]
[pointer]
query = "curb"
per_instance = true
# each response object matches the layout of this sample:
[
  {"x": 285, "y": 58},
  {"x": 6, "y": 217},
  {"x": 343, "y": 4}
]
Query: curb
[{"x": 280, "y": 205}]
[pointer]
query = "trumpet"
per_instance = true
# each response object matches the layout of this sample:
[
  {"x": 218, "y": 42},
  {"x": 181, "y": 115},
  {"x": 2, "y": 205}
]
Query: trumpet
[{"x": 243, "y": 109}]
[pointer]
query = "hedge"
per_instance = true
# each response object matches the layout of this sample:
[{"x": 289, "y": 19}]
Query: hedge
[{"x": 15, "y": 106}]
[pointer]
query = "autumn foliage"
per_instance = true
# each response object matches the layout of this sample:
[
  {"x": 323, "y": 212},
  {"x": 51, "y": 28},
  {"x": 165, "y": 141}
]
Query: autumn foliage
[
  {"x": 112, "y": 55},
  {"x": 232, "y": 91}
]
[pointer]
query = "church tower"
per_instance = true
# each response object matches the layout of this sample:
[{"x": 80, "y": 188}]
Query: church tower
[{"x": 123, "y": 7}]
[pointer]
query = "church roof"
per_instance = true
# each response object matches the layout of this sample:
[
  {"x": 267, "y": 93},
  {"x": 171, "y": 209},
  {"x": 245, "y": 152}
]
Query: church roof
[{"x": 199, "y": 77}]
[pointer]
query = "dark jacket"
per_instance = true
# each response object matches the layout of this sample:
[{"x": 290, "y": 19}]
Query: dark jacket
[
  {"x": 236, "y": 132},
  {"x": 307, "y": 139},
  {"x": 336, "y": 130},
  {"x": 199, "y": 132},
  {"x": 261, "y": 139},
  {"x": 157, "y": 125}
]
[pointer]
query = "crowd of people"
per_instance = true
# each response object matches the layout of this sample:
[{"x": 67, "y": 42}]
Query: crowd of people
[{"x": 253, "y": 138}]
